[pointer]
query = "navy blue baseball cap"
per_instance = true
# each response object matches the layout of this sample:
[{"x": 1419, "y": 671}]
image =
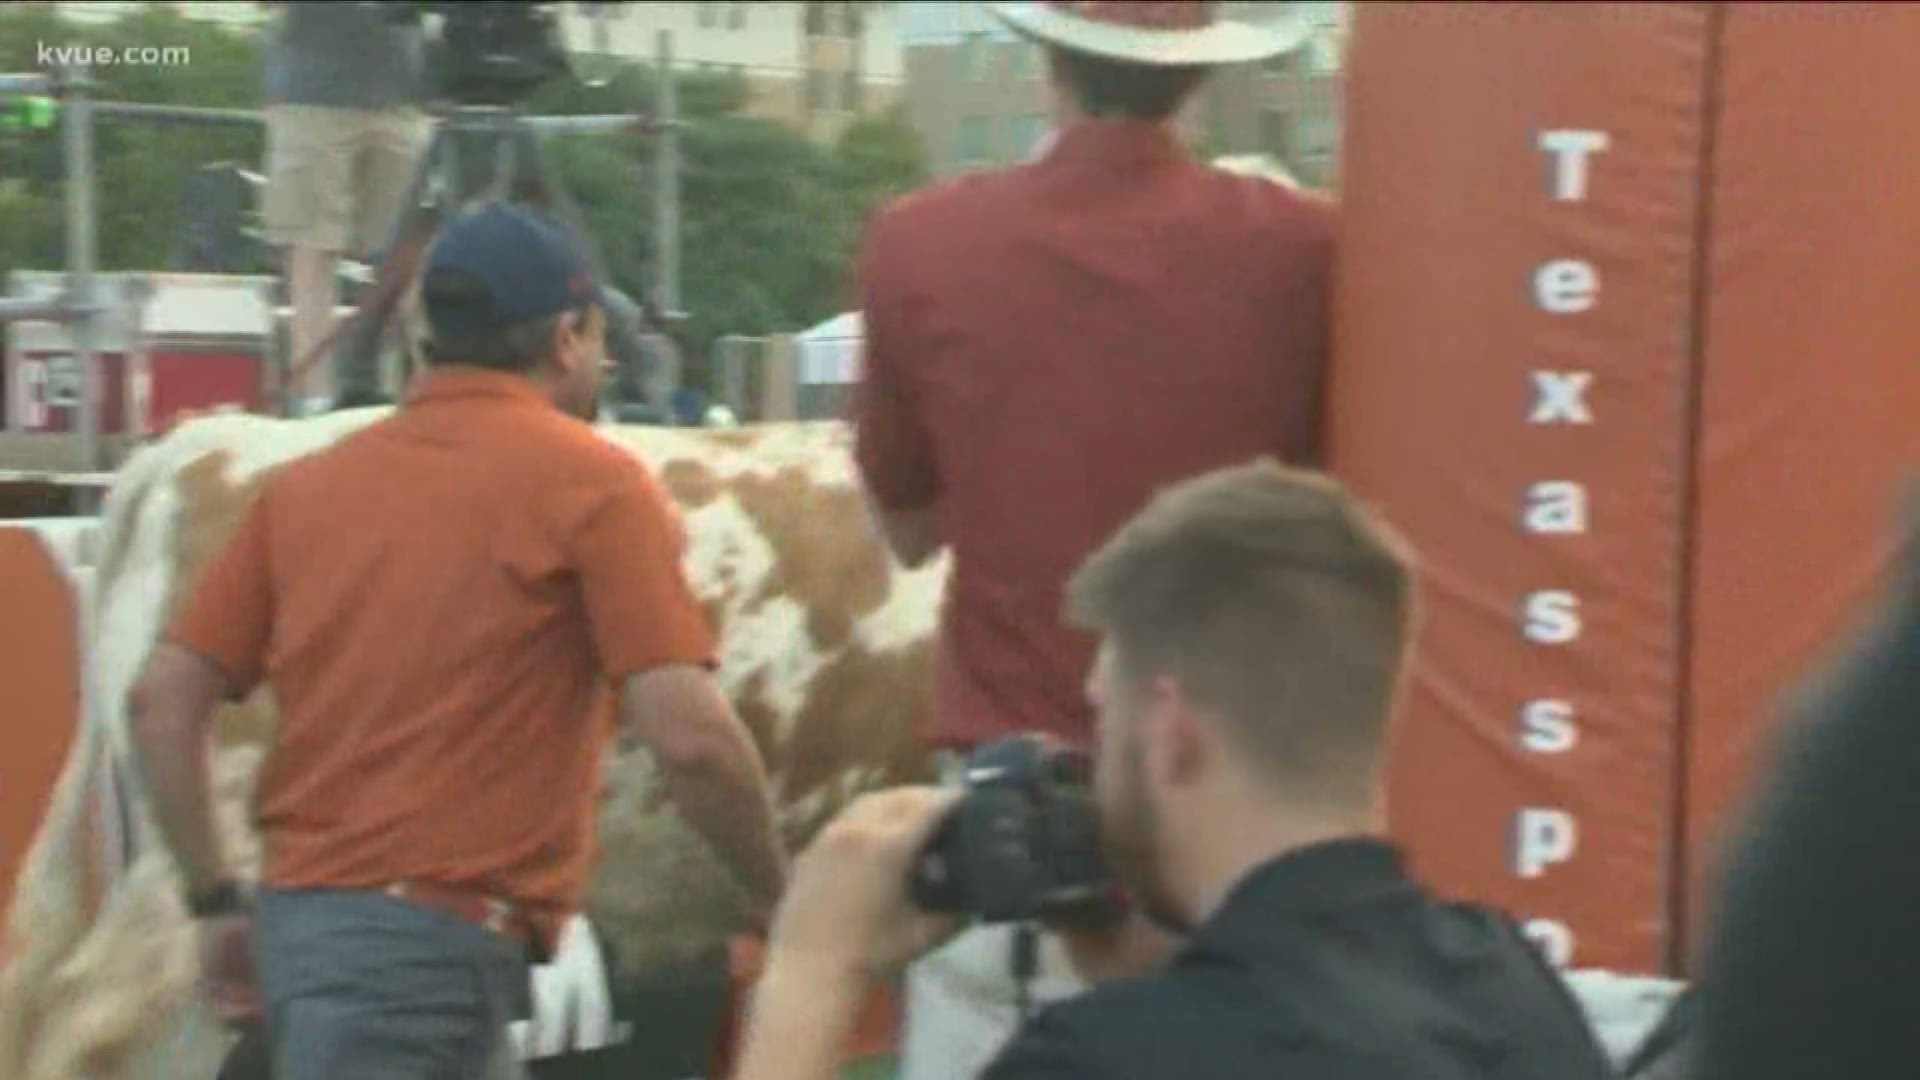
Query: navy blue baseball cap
[{"x": 495, "y": 266}]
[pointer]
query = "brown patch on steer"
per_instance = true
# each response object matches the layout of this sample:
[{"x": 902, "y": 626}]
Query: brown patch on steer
[
  {"x": 828, "y": 628},
  {"x": 211, "y": 506},
  {"x": 762, "y": 721},
  {"x": 863, "y": 711},
  {"x": 691, "y": 484},
  {"x": 826, "y": 556}
]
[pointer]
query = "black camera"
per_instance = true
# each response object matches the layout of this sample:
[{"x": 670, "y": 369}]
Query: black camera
[
  {"x": 490, "y": 52},
  {"x": 1023, "y": 842}
]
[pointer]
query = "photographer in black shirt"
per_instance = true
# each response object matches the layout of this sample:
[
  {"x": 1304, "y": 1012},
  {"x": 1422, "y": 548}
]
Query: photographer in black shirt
[{"x": 1255, "y": 624}]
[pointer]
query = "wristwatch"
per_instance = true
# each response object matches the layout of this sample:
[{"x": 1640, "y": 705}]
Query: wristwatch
[{"x": 226, "y": 898}]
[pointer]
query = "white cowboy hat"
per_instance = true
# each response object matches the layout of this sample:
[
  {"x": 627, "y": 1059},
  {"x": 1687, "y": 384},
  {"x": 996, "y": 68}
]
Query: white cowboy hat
[{"x": 1176, "y": 33}]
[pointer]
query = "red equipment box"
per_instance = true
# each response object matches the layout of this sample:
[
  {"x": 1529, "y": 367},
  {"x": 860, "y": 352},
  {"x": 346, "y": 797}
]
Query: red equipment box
[{"x": 168, "y": 344}]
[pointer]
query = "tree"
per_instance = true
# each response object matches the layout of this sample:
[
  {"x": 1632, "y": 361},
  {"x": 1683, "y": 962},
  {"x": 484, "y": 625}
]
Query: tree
[
  {"x": 756, "y": 216},
  {"x": 769, "y": 221},
  {"x": 878, "y": 158},
  {"x": 141, "y": 168},
  {"x": 30, "y": 216}
]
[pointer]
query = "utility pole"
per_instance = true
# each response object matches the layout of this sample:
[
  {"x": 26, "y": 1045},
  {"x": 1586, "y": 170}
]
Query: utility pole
[
  {"x": 666, "y": 185},
  {"x": 77, "y": 112}
]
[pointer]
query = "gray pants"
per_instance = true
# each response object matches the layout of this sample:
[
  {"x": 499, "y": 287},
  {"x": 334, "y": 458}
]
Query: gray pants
[{"x": 360, "y": 986}]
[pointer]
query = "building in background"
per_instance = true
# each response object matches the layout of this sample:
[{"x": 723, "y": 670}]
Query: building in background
[
  {"x": 243, "y": 15},
  {"x": 813, "y": 66},
  {"x": 977, "y": 92}
]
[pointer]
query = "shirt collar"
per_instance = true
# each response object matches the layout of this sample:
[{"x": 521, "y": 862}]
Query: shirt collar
[
  {"x": 1301, "y": 884},
  {"x": 1104, "y": 145},
  {"x": 459, "y": 382}
]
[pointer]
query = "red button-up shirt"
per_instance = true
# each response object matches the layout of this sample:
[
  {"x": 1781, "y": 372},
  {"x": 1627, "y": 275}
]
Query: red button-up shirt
[{"x": 1047, "y": 346}]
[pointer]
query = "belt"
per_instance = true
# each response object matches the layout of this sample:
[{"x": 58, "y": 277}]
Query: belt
[{"x": 503, "y": 917}]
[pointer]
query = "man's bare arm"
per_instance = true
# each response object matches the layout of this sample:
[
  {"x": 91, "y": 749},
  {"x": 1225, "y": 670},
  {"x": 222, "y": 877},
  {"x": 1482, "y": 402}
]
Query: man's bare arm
[
  {"x": 172, "y": 709},
  {"x": 713, "y": 773}
]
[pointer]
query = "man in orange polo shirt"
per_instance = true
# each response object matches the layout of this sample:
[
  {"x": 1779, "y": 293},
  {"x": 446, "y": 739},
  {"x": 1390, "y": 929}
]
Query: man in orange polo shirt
[
  {"x": 1047, "y": 346},
  {"x": 440, "y": 604}
]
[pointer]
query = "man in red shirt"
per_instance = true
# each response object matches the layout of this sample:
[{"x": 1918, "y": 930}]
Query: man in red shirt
[{"x": 1049, "y": 345}]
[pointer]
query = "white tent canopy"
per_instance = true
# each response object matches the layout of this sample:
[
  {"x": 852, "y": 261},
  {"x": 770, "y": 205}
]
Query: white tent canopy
[{"x": 830, "y": 352}]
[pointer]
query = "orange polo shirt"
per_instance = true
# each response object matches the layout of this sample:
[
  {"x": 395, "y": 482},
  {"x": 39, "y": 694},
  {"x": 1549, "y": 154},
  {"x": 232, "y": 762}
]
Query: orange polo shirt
[{"x": 440, "y": 604}]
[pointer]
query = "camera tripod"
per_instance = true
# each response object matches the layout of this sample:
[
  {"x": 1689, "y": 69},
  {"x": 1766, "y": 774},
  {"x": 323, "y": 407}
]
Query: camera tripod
[{"x": 475, "y": 153}]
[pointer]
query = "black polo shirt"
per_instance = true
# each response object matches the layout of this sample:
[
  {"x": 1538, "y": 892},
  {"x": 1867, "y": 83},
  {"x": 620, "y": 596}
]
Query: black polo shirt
[{"x": 1329, "y": 963}]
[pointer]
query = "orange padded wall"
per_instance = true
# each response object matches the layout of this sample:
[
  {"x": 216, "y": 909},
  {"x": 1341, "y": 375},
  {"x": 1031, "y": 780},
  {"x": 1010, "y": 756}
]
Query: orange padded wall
[
  {"x": 1809, "y": 434},
  {"x": 1629, "y": 346}
]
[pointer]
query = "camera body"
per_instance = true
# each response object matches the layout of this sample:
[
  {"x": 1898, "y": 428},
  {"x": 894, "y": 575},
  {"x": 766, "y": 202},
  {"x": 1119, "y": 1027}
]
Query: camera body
[
  {"x": 1023, "y": 842},
  {"x": 490, "y": 52}
]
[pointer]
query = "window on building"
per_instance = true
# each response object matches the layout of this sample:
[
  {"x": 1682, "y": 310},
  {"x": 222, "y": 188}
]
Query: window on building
[
  {"x": 1316, "y": 141},
  {"x": 1276, "y": 133},
  {"x": 1023, "y": 134},
  {"x": 1026, "y": 61},
  {"x": 819, "y": 90},
  {"x": 708, "y": 14},
  {"x": 1255, "y": 11},
  {"x": 970, "y": 55},
  {"x": 737, "y": 16},
  {"x": 816, "y": 19},
  {"x": 855, "y": 22},
  {"x": 973, "y": 143}
]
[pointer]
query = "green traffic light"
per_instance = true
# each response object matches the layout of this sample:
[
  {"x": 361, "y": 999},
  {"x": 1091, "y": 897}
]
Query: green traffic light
[{"x": 34, "y": 112}]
